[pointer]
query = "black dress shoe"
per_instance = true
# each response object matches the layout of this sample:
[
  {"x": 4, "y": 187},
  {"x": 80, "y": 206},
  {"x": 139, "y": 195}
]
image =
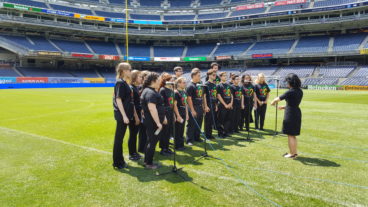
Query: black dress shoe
[
  {"x": 164, "y": 153},
  {"x": 199, "y": 140}
]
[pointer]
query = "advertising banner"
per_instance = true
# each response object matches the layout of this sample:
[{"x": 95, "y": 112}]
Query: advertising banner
[
  {"x": 93, "y": 80},
  {"x": 56, "y": 12},
  {"x": 356, "y": 88},
  {"x": 325, "y": 87},
  {"x": 47, "y": 53},
  {"x": 195, "y": 59},
  {"x": 224, "y": 57},
  {"x": 256, "y": 56},
  {"x": 65, "y": 80},
  {"x": 364, "y": 51},
  {"x": 250, "y": 6},
  {"x": 166, "y": 59},
  {"x": 80, "y": 55},
  {"x": 138, "y": 58},
  {"x": 108, "y": 57},
  {"x": 32, "y": 80},
  {"x": 4, "y": 80},
  {"x": 280, "y": 3}
]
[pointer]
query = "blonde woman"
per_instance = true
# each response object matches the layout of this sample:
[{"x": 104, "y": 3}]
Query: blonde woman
[
  {"x": 123, "y": 111},
  {"x": 262, "y": 92}
]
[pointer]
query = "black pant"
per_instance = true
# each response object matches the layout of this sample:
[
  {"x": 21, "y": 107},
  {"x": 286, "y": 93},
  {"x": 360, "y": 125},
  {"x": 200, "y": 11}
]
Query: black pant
[
  {"x": 236, "y": 115},
  {"x": 133, "y": 132},
  {"x": 167, "y": 130},
  {"x": 193, "y": 132},
  {"x": 247, "y": 116},
  {"x": 209, "y": 121},
  {"x": 224, "y": 120},
  {"x": 260, "y": 115},
  {"x": 142, "y": 138},
  {"x": 118, "y": 143},
  {"x": 179, "y": 130},
  {"x": 152, "y": 140}
]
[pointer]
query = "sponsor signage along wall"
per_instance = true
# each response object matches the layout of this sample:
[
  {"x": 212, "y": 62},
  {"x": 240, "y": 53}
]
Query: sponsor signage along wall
[
  {"x": 223, "y": 57},
  {"x": 47, "y": 53},
  {"x": 250, "y": 6},
  {"x": 65, "y": 80},
  {"x": 195, "y": 59},
  {"x": 280, "y": 3},
  {"x": 32, "y": 80},
  {"x": 4, "y": 80},
  {"x": 93, "y": 80},
  {"x": 325, "y": 87},
  {"x": 364, "y": 51},
  {"x": 81, "y": 55},
  {"x": 256, "y": 56},
  {"x": 166, "y": 59},
  {"x": 108, "y": 57},
  {"x": 132, "y": 58}
]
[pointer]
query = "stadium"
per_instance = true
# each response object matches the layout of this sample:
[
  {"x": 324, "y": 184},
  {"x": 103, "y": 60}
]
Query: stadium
[{"x": 57, "y": 73}]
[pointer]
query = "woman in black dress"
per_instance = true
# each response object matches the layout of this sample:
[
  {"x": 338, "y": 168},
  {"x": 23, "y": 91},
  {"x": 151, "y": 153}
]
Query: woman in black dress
[{"x": 293, "y": 116}]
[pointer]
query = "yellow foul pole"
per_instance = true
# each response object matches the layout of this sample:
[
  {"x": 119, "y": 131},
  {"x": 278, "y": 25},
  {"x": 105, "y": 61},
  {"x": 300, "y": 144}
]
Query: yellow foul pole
[{"x": 126, "y": 31}]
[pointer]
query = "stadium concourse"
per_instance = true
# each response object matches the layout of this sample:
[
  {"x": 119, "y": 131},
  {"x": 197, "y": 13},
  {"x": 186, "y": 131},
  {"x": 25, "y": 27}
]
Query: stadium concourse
[{"x": 57, "y": 128}]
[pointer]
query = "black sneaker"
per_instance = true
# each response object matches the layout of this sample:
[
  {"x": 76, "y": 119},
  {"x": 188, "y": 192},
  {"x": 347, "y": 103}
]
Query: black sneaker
[
  {"x": 169, "y": 151},
  {"x": 180, "y": 148},
  {"x": 164, "y": 153},
  {"x": 120, "y": 166},
  {"x": 134, "y": 157}
]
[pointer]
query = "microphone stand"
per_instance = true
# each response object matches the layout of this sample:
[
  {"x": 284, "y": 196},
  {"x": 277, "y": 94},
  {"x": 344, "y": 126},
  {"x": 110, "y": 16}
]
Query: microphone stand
[{"x": 174, "y": 168}]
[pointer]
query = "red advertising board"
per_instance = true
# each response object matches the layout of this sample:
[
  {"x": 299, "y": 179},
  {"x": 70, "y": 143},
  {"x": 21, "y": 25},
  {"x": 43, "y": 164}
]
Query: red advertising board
[
  {"x": 32, "y": 80},
  {"x": 250, "y": 6},
  {"x": 108, "y": 57},
  {"x": 280, "y": 3},
  {"x": 268, "y": 55},
  {"x": 223, "y": 57},
  {"x": 82, "y": 55}
]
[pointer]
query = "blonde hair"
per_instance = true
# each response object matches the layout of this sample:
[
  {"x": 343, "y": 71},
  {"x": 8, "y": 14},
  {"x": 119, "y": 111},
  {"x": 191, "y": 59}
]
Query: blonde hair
[
  {"x": 179, "y": 80},
  {"x": 120, "y": 68},
  {"x": 135, "y": 75},
  {"x": 259, "y": 77}
]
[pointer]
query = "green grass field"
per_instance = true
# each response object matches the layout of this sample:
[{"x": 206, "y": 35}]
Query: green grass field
[{"x": 55, "y": 150}]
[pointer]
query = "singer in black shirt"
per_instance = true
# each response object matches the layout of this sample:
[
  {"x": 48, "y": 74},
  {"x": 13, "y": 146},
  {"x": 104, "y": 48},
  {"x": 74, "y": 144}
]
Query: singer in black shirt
[
  {"x": 262, "y": 94},
  {"x": 225, "y": 98},
  {"x": 210, "y": 90}
]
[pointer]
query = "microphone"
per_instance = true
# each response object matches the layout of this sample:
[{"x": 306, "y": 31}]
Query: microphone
[{"x": 169, "y": 83}]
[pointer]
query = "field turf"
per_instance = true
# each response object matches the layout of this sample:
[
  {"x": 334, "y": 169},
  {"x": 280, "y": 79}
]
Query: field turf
[{"x": 55, "y": 150}]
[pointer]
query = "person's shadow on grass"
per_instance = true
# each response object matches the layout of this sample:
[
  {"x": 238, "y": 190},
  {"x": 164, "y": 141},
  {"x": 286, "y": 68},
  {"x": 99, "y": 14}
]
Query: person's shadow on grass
[{"x": 317, "y": 162}]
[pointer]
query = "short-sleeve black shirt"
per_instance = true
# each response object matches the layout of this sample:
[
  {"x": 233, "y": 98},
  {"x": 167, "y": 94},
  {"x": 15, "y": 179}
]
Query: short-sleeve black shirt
[
  {"x": 122, "y": 90},
  {"x": 211, "y": 92},
  {"x": 195, "y": 91},
  {"x": 150, "y": 95},
  {"x": 293, "y": 97},
  {"x": 224, "y": 90},
  {"x": 261, "y": 91},
  {"x": 168, "y": 95},
  {"x": 237, "y": 94}
]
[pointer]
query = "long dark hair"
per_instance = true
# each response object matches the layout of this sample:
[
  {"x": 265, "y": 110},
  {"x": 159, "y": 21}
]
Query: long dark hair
[
  {"x": 243, "y": 78},
  {"x": 165, "y": 77},
  {"x": 293, "y": 80},
  {"x": 151, "y": 77}
]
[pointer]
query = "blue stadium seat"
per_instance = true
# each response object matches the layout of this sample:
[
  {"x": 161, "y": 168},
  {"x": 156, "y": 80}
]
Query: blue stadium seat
[
  {"x": 110, "y": 14},
  {"x": 266, "y": 70},
  {"x": 248, "y": 12},
  {"x": 232, "y": 49},
  {"x": 168, "y": 51},
  {"x": 301, "y": 70},
  {"x": 348, "y": 42},
  {"x": 317, "y": 44},
  {"x": 38, "y": 72},
  {"x": 71, "y": 9},
  {"x": 274, "y": 47},
  {"x": 145, "y": 17},
  {"x": 179, "y": 17},
  {"x": 8, "y": 72},
  {"x": 332, "y": 3},
  {"x": 136, "y": 50},
  {"x": 202, "y": 50},
  {"x": 180, "y": 3},
  {"x": 362, "y": 72},
  {"x": 150, "y": 3},
  {"x": 335, "y": 71},
  {"x": 28, "y": 3},
  {"x": 42, "y": 43},
  {"x": 103, "y": 48},
  {"x": 72, "y": 46},
  {"x": 288, "y": 7},
  {"x": 212, "y": 15},
  {"x": 210, "y": 2}
]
